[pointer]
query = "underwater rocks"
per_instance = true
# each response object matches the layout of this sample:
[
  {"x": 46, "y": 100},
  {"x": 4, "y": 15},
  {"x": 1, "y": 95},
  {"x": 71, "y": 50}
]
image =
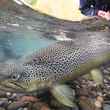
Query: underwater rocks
[
  {"x": 88, "y": 97},
  {"x": 3, "y": 2}
]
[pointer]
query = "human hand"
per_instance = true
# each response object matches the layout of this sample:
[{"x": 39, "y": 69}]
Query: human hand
[{"x": 103, "y": 14}]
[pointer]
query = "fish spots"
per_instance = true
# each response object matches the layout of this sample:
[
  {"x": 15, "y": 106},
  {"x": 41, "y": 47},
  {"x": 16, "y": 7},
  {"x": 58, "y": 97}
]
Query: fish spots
[{"x": 60, "y": 60}]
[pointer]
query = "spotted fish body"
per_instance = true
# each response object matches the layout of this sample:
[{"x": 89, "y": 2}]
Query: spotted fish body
[{"x": 65, "y": 60}]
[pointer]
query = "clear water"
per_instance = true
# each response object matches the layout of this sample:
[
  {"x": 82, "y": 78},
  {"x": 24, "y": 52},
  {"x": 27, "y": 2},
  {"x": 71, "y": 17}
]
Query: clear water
[
  {"x": 17, "y": 39},
  {"x": 14, "y": 45}
]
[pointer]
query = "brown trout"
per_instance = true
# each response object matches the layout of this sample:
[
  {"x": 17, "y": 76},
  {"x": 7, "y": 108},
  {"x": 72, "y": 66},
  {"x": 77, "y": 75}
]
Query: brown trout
[{"x": 50, "y": 67}]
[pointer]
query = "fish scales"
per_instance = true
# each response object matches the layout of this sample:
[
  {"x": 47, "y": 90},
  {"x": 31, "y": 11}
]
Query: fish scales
[
  {"x": 49, "y": 67},
  {"x": 61, "y": 60}
]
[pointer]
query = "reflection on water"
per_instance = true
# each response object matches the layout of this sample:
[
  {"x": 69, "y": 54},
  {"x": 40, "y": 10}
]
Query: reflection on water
[
  {"x": 23, "y": 31},
  {"x": 15, "y": 45}
]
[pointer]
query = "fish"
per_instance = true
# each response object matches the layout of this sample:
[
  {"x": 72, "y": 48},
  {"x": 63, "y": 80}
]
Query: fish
[{"x": 52, "y": 66}]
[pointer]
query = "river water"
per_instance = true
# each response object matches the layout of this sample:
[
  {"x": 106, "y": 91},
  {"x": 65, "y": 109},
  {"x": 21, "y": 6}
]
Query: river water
[{"x": 23, "y": 31}]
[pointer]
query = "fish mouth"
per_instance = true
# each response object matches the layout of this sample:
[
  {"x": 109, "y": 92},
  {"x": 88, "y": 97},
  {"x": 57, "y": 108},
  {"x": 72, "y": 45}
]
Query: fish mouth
[
  {"x": 22, "y": 87},
  {"x": 11, "y": 86}
]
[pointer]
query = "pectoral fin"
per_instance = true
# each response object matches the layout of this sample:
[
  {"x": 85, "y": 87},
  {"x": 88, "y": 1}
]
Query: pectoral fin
[
  {"x": 87, "y": 76},
  {"x": 97, "y": 76},
  {"x": 64, "y": 95}
]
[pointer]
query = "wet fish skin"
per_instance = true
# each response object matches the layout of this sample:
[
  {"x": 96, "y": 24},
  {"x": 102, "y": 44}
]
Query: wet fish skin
[
  {"x": 62, "y": 61},
  {"x": 67, "y": 59}
]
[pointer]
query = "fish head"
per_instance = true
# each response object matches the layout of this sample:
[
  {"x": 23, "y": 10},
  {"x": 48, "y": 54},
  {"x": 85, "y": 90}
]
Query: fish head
[{"x": 20, "y": 78}]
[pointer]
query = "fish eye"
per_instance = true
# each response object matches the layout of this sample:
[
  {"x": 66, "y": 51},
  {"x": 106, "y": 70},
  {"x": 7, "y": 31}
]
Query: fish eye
[{"x": 15, "y": 76}]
